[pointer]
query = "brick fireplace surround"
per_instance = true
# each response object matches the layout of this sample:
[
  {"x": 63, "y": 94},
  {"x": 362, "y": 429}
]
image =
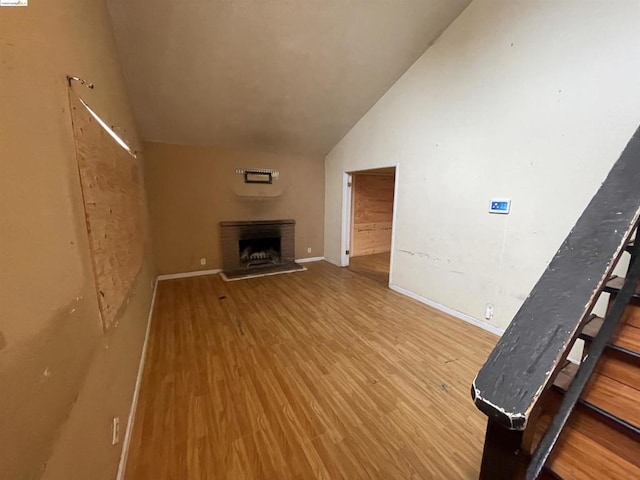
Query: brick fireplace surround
[{"x": 231, "y": 233}]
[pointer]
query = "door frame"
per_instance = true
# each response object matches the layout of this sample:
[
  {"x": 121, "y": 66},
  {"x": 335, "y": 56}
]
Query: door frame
[{"x": 347, "y": 199}]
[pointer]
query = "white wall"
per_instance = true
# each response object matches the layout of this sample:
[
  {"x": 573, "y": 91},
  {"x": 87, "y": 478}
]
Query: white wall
[{"x": 530, "y": 100}]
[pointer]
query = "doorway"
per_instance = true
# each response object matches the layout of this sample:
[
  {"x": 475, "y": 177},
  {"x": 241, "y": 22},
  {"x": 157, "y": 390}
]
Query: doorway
[{"x": 370, "y": 211}]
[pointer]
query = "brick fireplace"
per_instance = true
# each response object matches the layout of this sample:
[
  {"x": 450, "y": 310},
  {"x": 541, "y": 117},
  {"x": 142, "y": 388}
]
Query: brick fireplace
[{"x": 259, "y": 244}]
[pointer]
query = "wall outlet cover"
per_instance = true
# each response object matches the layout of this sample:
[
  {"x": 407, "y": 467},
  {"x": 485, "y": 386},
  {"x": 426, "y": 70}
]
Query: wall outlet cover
[
  {"x": 203, "y": 261},
  {"x": 115, "y": 430},
  {"x": 488, "y": 313}
]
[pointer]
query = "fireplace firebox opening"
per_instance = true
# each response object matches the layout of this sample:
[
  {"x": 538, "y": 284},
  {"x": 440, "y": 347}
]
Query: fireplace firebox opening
[
  {"x": 259, "y": 251},
  {"x": 257, "y": 247}
]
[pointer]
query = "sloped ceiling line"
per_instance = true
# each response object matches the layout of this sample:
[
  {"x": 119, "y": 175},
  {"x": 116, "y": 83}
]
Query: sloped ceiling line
[{"x": 289, "y": 76}]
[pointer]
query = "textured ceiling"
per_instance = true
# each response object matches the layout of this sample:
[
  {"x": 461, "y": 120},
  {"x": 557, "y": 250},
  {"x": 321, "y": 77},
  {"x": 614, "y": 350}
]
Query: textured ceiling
[{"x": 275, "y": 75}]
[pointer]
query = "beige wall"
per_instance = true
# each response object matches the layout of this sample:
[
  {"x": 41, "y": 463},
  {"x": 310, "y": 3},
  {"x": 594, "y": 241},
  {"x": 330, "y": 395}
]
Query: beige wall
[
  {"x": 61, "y": 378},
  {"x": 191, "y": 189},
  {"x": 529, "y": 100}
]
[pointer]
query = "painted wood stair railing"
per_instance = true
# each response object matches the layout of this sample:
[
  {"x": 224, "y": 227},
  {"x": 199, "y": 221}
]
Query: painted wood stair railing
[{"x": 548, "y": 418}]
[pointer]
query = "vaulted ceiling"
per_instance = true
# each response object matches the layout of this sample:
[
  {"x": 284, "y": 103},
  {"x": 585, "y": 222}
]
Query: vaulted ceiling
[{"x": 287, "y": 76}]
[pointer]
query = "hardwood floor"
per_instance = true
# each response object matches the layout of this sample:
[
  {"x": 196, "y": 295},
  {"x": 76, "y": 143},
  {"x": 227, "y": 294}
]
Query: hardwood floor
[
  {"x": 317, "y": 374},
  {"x": 375, "y": 266}
]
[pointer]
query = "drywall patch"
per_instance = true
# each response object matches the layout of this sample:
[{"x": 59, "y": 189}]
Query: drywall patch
[{"x": 113, "y": 196}]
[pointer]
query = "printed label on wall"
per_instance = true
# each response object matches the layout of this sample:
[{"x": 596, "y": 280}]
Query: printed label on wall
[{"x": 14, "y": 3}]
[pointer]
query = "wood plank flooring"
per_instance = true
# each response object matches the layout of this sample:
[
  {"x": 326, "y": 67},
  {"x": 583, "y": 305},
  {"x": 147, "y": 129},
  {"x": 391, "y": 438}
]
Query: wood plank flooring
[
  {"x": 320, "y": 374},
  {"x": 375, "y": 266}
]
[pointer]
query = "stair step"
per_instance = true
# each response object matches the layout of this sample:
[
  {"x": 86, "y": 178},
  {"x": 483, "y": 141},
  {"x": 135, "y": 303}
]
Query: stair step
[
  {"x": 592, "y": 327},
  {"x": 621, "y": 367},
  {"x": 615, "y": 284},
  {"x": 615, "y": 397},
  {"x": 630, "y": 245},
  {"x": 632, "y": 316},
  {"x": 565, "y": 377},
  {"x": 612, "y": 391},
  {"x": 626, "y": 339},
  {"x": 592, "y": 447}
]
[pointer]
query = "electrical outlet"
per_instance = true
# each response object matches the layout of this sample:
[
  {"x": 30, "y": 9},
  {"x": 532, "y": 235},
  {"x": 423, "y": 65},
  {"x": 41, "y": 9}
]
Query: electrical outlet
[
  {"x": 115, "y": 430},
  {"x": 309, "y": 250},
  {"x": 203, "y": 261},
  {"x": 488, "y": 312}
]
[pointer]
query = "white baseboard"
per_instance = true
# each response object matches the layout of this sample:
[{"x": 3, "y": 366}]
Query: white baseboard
[
  {"x": 332, "y": 261},
  {"x": 136, "y": 392},
  {"x": 197, "y": 273},
  {"x": 448, "y": 311},
  {"x": 310, "y": 259}
]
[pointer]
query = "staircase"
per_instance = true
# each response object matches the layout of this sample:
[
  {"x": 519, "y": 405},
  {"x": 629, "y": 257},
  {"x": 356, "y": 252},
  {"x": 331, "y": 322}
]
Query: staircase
[
  {"x": 601, "y": 439},
  {"x": 549, "y": 418}
]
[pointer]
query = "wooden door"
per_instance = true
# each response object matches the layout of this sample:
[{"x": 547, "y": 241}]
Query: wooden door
[{"x": 372, "y": 213}]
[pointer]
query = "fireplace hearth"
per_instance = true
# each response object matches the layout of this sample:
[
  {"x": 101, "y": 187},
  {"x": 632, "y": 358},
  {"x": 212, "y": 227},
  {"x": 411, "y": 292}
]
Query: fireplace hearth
[{"x": 255, "y": 247}]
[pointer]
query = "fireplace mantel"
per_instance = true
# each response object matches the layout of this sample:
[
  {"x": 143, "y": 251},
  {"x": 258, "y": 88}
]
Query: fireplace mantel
[{"x": 256, "y": 222}]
